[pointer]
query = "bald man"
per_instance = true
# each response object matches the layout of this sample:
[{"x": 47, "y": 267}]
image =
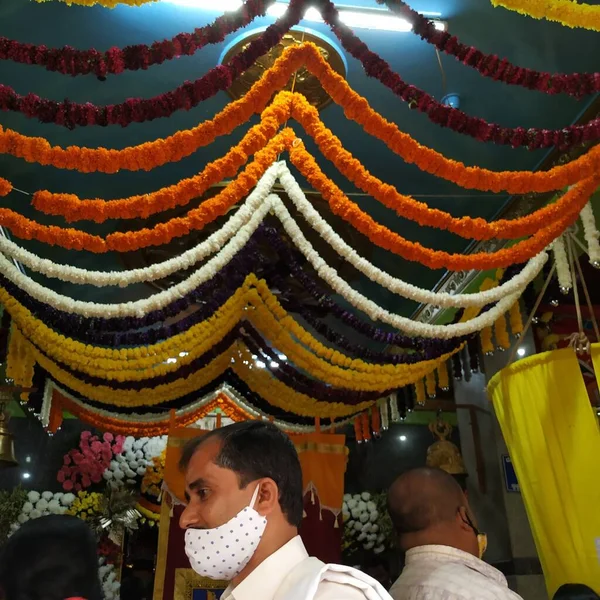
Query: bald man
[{"x": 443, "y": 546}]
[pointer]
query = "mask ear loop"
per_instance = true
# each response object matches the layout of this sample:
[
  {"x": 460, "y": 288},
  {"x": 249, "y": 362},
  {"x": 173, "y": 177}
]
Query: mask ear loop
[{"x": 254, "y": 497}]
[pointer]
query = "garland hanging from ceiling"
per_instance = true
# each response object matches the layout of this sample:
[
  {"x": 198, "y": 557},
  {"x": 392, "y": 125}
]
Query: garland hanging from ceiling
[
  {"x": 565, "y": 12},
  {"x": 70, "y": 61},
  {"x": 190, "y": 94}
]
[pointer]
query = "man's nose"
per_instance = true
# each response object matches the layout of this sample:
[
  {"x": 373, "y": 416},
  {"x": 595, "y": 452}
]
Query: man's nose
[{"x": 188, "y": 518}]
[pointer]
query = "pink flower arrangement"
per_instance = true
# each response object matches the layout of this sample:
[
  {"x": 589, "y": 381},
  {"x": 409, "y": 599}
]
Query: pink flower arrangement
[{"x": 85, "y": 465}]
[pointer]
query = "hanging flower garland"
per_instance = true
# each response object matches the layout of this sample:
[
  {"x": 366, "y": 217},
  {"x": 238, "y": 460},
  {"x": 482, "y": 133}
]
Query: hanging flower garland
[
  {"x": 138, "y": 110},
  {"x": 490, "y": 65},
  {"x": 591, "y": 234},
  {"x": 566, "y": 12},
  {"x": 385, "y": 238},
  {"x": 162, "y": 233},
  {"x": 70, "y": 61},
  {"x": 244, "y": 223},
  {"x": 285, "y": 104},
  {"x": 181, "y": 144},
  {"x": 220, "y": 78}
]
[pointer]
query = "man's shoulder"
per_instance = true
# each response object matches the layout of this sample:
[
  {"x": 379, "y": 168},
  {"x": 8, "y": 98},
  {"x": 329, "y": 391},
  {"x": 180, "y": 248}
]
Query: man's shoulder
[
  {"x": 332, "y": 590},
  {"x": 449, "y": 582}
]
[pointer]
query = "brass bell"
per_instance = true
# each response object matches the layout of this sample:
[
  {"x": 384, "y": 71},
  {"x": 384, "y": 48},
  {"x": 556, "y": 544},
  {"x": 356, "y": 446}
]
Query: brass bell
[{"x": 7, "y": 443}]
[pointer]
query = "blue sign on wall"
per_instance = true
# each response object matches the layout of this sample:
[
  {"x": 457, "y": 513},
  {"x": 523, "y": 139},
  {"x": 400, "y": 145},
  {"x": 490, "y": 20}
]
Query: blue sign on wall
[{"x": 510, "y": 477}]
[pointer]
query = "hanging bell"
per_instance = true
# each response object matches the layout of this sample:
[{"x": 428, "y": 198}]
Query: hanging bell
[{"x": 7, "y": 444}]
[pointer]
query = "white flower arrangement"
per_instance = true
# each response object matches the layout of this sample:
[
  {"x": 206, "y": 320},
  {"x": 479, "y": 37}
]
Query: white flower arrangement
[
  {"x": 39, "y": 505},
  {"x": 135, "y": 458},
  {"x": 591, "y": 234},
  {"x": 108, "y": 578},
  {"x": 563, "y": 271},
  {"x": 361, "y": 522},
  {"x": 237, "y": 231}
]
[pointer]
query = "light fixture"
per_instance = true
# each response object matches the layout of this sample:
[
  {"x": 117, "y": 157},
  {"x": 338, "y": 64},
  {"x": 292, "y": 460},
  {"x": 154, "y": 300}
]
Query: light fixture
[
  {"x": 402, "y": 438},
  {"x": 28, "y": 459},
  {"x": 282, "y": 357},
  {"x": 260, "y": 364},
  {"x": 368, "y": 18},
  {"x": 26, "y": 475},
  {"x": 273, "y": 364},
  {"x": 521, "y": 352}
]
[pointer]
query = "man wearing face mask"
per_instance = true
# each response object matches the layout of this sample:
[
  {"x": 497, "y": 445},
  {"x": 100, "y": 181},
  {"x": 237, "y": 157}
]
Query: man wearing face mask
[
  {"x": 444, "y": 548},
  {"x": 244, "y": 491}
]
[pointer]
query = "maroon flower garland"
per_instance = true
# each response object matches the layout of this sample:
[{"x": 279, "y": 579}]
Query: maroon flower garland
[
  {"x": 220, "y": 78},
  {"x": 138, "y": 110},
  {"x": 445, "y": 116},
  {"x": 71, "y": 61},
  {"x": 490, "y": 65}
]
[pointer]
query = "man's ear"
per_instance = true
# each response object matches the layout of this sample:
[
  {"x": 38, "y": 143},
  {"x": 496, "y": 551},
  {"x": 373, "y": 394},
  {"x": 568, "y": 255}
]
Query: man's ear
[
  {"x": 268, "y": 497},
  {"x": 462, "y": 517}
]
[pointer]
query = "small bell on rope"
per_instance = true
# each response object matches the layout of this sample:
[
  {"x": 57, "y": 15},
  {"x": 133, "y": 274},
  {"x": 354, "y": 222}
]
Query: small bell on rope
[{"x": 580, "y": 343}]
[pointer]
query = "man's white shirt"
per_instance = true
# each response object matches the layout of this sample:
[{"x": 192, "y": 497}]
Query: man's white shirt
[
  {"x": 445, "y": 573},
  {"x": 290, "y": 574}
]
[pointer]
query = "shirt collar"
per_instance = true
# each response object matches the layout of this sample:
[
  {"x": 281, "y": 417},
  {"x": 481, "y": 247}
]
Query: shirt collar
[
  {"x": 265, "y": 580},
  {"x": 449, "y": 554}
]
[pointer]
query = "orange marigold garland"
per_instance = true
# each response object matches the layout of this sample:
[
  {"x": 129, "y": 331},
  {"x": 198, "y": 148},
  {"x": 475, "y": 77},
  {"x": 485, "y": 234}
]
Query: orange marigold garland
[
  {"x": 184, "y": 143},
  {"x": 162, "y": 233},
  {"x": 5, "y": 187}
]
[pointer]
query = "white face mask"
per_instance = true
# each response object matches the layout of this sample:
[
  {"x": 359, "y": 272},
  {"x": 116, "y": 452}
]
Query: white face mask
[{"x": 221, "y": 553}]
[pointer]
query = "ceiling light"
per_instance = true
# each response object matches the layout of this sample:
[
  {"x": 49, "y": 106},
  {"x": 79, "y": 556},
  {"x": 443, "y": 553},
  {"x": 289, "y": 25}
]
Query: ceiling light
[
  {"x": 282, "y": 357},
  {"x": 402, "y": 438},
  {"x": 521, "y": 352},
  {"x": 28, "y": 459},
  {"x": 26, "y": 475},
  {"x": 260, "y": 364},
  {"x": 273, "y": 364}
]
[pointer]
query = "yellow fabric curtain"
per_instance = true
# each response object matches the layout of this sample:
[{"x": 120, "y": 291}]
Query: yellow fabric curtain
[{"x": 554, "y": 442}]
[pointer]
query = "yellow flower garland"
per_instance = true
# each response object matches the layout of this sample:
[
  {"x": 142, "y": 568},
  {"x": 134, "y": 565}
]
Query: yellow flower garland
[
  {"x": 20, "y": 362},
  {"x": 420, "y": 392},
  {"x": 516, "y": 320},
  {"x": 566, "y": 12},
  {"x": 72, "y": 353},
  {"x": 430, "y": 386},
  {"x": 501, "y": 332}
]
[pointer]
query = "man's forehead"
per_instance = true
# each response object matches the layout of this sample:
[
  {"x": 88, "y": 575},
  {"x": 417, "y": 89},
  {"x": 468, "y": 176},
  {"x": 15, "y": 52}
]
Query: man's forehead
[{"x": 202, "y": 462}]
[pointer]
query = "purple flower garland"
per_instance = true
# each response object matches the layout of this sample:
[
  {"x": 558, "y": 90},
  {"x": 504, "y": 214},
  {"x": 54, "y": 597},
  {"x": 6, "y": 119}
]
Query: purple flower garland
[{"x": 107, "y": 332}]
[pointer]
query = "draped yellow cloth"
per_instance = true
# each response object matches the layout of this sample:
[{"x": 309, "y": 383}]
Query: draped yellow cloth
[{"x": 553, "y": 438}]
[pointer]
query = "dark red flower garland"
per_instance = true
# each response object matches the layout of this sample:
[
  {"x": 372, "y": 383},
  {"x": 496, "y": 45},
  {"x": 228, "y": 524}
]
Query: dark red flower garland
[
  {"x": 445, "y": 116},
  {"x": 220, "y": 78},
  {"x": 490, "y": 65},
  {"x": 71, "y": 61},
  {"x": 137, "y": 110}
]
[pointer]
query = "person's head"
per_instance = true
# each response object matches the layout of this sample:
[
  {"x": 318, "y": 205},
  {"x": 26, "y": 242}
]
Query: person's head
[
  {"x": 575, "y": 591},
  {"x": 224, "y": 468},
  {"x": 427, "y": 506},
  {"x": 50, "y": 558}
]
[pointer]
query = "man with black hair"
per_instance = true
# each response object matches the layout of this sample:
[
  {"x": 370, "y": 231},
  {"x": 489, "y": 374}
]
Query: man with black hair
[
  {"x": 245, "y": 504},
  {"x": 444, "y": 548}
]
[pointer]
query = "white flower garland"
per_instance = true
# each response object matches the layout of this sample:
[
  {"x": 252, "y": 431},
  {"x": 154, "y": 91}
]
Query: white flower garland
[
  {"x": 360, "y": 521},
  {"x": 237, "y": 230},
  {"x": 563, "y": 272},
  {"x": 108, "y": 578},
  {"x": 157, "y": 418},
  {"x": 591, "y": 234},
  {"x": 41, "y": 504},
  {"x": 134, "y": 459}
]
